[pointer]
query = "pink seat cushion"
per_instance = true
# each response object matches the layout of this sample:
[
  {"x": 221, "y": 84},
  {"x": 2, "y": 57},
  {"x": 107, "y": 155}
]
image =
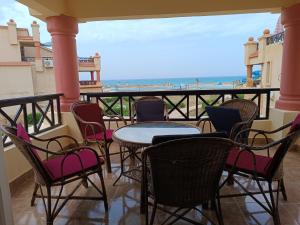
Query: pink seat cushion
[
  {"x": 100, "y": 136},
  {"x": 245, "y": 162},
  {"x": 296, "y": 124},
  {"x": 71, "y": 165},
  {"x": 22, "y": 133}
]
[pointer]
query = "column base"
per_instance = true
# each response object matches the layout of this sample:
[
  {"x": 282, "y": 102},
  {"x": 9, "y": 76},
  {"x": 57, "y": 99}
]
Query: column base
[{"x": 290, "y": 104}]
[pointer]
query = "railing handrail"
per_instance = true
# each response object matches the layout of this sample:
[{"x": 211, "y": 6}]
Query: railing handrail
[
  {"x": 178, "y": 92},
  {"x": 122, "y": 102},
  {"x": 275, "y": 38},
  {"x": 27, "y": 99}
]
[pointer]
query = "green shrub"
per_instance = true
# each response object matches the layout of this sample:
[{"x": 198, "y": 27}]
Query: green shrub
[{"x": 38, "y": 116}]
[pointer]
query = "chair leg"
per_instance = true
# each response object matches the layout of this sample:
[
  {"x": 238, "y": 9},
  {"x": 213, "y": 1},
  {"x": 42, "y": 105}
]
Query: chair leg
[
  {"x": 283, "y": 191},
  {"x": 153, "y": 213},
  {"x": 122, "y": 166},
  {"x": 49, "y": 207},
  {"x": 103, "y": 191},
  {"x": 230, "y": 180},
  {"x": 108, "y": 163},
  {"x": 275, "y": 213},
  {"x": 218, "y": 210},
  {"x": 36, "y": 187}
]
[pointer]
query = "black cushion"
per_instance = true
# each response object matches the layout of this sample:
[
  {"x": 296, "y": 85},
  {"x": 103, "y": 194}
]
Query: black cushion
[
  {"x": 223, "y": 118},
  {"x": 164, "y": 138}
]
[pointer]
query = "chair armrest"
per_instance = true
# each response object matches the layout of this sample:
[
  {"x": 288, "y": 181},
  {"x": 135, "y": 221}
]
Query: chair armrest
[
  {"x": 204, "y": 120},
  {"x": 234, "y": 134},
  {"x": 74, "y": 152},
  {"x": 263, "y": 147},
  {"x": 115, "y": 118}
]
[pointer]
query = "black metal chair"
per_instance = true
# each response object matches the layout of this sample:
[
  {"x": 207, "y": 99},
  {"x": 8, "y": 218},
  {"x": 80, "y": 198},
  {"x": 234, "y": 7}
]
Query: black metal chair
[
  {"x": 183, "y": 174},
  {"x": 244, "y": 161}
]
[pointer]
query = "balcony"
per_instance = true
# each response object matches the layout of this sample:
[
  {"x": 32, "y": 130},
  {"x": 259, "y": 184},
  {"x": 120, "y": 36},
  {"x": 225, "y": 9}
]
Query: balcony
[{"x": 42, "y": 117}]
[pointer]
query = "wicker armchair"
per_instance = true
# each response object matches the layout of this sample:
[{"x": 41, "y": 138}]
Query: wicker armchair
[
  {"x": 244, "y": 161},
  {"x": 149, "y": 108},
  {"x": 248, "y": 111},
  {"x": 89, "y": 117},
  {"x": 58, "y": 169},
  {"x": 183, "y": 174}
]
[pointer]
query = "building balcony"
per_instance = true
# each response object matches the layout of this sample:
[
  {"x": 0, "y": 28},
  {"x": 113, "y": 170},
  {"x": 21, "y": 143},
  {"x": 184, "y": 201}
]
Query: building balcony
[{"x": 41, "y": 116}]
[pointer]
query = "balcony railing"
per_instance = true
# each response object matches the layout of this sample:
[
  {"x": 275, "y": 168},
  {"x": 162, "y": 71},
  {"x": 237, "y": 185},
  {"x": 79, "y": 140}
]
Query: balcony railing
[
  {"x": 80, "y": 59},
  {"x": 37, "y": 113},
  {"x": 276, "y": 38},
  {"x": 88, "y": 82},
  {"x": 184, "y": 105},
  {"x": 86, "y": 59}
]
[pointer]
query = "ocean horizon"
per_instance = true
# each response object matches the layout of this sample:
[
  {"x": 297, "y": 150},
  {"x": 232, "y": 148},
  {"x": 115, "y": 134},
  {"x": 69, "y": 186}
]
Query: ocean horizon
[{"x": 209, "y": 82}]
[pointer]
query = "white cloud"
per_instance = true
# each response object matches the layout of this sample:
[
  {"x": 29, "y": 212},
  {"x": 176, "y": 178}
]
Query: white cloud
[
  {"x": 20, "y": 14},
  {"x": 154, "y": 29},
  {"x": 148, "y": 29}
]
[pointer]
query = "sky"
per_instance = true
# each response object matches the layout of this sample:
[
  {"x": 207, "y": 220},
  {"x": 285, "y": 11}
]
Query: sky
[{"x": 160, "y": 48}]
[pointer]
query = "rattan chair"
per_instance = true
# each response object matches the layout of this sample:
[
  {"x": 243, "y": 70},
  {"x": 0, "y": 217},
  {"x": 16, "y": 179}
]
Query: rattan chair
[
  {"x": 89, "y": 117},
  {"x": 244, "y": 161},
  {"x": 58, "y": 169},
  {"x": 149, "y": 108},
  {"x": 183, "y": 174},
  {"x": 248, "y": 112}
]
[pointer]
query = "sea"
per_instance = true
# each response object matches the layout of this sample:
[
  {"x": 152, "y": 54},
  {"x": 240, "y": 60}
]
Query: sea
[{"x": 187, "y": 83}]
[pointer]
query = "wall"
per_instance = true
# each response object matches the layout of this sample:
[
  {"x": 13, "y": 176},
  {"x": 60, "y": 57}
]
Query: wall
[
  {"x": 43, "y": 81},
  {"x": 8, "y": 52},
  {"x": 16, "y": 81}
]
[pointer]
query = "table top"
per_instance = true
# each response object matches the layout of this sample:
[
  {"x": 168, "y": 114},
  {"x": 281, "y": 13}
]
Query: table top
[{"x": 141, "y": 134}]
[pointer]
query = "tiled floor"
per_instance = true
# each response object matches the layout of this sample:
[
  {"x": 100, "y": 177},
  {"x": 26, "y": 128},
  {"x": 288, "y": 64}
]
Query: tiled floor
[{"x": 124, "y": 203}]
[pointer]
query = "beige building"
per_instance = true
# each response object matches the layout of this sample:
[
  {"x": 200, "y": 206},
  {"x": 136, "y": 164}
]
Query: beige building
[
  {"x": 26, "y": 66},
  {"x": 266, "y": 52}
]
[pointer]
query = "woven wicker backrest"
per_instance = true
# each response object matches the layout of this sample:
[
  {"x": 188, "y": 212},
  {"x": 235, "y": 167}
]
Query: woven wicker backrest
[
  {"x": 248, "y": 109},
  {"x": 149, "y": 108},
  {"x": 89, "y": 112},
  {"x": 186, "y": 172},
  {"x": 41, "y": 174}
]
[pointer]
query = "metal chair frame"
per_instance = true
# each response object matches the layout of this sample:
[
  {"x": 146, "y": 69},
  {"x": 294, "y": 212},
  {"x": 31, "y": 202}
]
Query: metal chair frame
[
  {"x": 42, "y": 178},
  {"x": 272, "y": 174},
  {"x": 105, "y": 144}
]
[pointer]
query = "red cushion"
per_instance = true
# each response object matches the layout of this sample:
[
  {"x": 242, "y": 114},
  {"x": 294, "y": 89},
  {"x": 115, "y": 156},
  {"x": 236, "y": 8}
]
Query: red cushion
[
  {"x": 22, "y": 133},
  {"x": 71, "y": 165},
  {"x": 245, "y": 162},
  {"x": 296, "y": 124},
  {"x": 100, "y": 136}
]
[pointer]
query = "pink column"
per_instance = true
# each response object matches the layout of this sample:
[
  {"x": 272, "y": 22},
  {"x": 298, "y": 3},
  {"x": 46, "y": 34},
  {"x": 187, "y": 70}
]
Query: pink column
[
  {"x": 290, "y": 72},
  {"x": 92, "y": 75},
  {"x": 63, "y": 30},
  {"x": 98, "y": 75}
]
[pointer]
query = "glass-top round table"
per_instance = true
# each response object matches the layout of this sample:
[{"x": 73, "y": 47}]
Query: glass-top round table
[{"x": 140, "y": 134}]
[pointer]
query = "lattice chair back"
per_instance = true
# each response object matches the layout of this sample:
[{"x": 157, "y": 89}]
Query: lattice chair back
[
  {"x": 186, "y": 172},
  {"x": 149, "y": 108},
  {"x": 88, "y": 112},
  {"x": 22, "y": 141}
]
